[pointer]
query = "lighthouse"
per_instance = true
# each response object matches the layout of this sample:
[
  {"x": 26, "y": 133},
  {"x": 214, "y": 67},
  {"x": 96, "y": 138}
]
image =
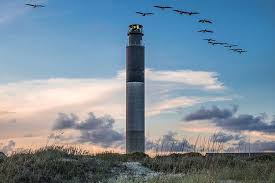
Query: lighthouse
[{"x": 135, "y": 86}]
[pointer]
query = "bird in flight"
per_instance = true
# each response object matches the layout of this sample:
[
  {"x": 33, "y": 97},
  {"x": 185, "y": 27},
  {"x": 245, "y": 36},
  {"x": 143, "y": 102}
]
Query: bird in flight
[
  {"x": 241, "y": 51},
  {"x": 206, "y": 31},
  {"x": 236, "y": 49},
  {"x": 144, "y": 14},
  {"x": 209, "y": 40},
  {"x": 186, "y": 12},
  {"x": 190, "y": 13},
  {"x": 205, "y": 21},
  {"x": 36, "y": 5},
  {"x": 179, "y": 11},
  {"x": 230, "y": 46},
  {"x": 163, "y": 7},
  {"x": 217, "y": 43}
]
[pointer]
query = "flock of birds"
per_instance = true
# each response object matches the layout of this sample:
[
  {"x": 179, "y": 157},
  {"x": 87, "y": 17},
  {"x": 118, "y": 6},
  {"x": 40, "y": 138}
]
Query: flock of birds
[{"x": 232, "y": 47}]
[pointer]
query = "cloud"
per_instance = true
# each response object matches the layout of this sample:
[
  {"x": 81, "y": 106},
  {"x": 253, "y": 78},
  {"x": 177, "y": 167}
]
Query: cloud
[
  {"x": 94, "y": 130},
  {"x": 31, "y": 99},
  {"x": 2, "y": 113},
  {"x": 235, "y": 143},
  {"x": 199, "y": 79},
  {"x": 65, "y": 121},
  {"x": 214, "y": 113},
  {"x": 248, "y": 122},
  {"x": 228, "y": 120},
  {"x": 164, "y": 91},
  {"x": 8, "y": 148},
  {"x": 169, "y": 143},
  {"x": 177, "y": 104},
  {"x": 258, "y": 146},
  {"x": 222, "y": 137}
]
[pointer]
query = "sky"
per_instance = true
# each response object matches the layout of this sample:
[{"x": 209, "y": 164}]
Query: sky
[{"x": 69, "y": 58}]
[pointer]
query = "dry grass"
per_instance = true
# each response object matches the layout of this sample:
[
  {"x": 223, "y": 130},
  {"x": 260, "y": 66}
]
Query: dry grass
[{"x": 71, "y": 165}]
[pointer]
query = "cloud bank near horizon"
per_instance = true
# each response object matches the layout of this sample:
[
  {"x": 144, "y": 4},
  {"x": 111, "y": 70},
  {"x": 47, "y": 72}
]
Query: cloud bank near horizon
[
  {"x": 257, "y": 146},
  {"x": 169, "y": 143},
  {"x": 8, "y": 148},
  {"x": 93, "y": 130},
  {"x": 228, "y": 120},
  {"x": 223, "y": 137}
]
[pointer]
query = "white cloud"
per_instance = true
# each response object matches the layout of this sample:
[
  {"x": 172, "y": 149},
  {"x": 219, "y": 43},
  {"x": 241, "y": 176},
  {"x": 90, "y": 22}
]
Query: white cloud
[
  {"x": 200, "y": 79},
  {"x": 35, "y": 103},
  {"x": 177, "y": 103},
  {"x": 107, "y": 95},
  {"x": 8, "y": 148}
]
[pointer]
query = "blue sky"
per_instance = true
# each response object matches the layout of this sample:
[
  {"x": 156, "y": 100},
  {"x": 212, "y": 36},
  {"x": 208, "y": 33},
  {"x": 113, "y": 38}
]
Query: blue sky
[{"x": 87, "y": 39}]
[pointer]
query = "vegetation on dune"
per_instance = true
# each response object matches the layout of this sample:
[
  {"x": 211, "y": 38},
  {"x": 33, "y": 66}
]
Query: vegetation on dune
[
  {"x": 55, "y": 164},
  {"x": 65, "y": 165},
  {"x": 257, "y": 169},
  {"x": 194, "y": 178}
]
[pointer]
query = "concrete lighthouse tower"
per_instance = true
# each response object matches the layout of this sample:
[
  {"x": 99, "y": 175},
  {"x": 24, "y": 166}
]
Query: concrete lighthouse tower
[{"x": 135, "y": 137}]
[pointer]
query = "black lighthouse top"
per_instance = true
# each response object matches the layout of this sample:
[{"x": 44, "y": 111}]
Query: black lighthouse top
[
  {"x": 135, "y": 29},
  {"x": 135, "y": 34}
]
